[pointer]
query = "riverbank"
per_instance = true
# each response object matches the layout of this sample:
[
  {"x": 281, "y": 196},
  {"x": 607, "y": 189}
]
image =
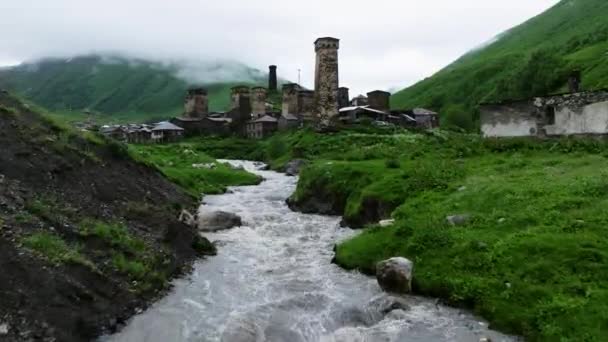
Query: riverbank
[
  {"x": 273, "y": 280},
  {"x": 513, "y": 229},
  {"x": 88, "y": 236}
]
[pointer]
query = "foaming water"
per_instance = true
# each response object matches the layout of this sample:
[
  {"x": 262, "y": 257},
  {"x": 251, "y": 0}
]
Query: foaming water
[{"x": 273, "y": 280}]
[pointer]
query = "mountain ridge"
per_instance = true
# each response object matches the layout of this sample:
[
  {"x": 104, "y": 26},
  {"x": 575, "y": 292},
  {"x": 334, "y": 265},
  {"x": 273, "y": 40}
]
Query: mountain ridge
[
  {"x": 531, "y": 59},
  {"x": 121, "y": 88}
]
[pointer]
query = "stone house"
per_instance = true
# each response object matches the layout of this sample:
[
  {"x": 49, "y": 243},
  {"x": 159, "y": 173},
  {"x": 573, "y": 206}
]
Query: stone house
[
  {"x": 355, "y": 114},
  {"x": 166, "y": 132},
  {"x": 424, "y": 118},
  {"x": 579, "y": 113},
  {"x": 262, "y": 127},
  {"x": 288, "y": 121}
]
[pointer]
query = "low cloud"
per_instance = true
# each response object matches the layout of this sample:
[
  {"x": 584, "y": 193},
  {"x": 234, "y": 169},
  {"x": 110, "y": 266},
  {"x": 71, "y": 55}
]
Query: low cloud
[{"x": 384, "y": 43}]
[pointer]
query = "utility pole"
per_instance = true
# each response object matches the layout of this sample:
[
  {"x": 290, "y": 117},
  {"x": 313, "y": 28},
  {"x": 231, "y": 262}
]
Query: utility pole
[{"x": 299, "y": 74}]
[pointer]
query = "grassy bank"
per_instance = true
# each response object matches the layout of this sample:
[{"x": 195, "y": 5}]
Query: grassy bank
[
  {"x": 193, "y": 170},
  {"x": 531, "y": 256}
]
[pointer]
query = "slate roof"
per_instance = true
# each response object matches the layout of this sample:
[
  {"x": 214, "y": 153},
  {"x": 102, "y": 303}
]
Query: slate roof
[
  {"x": 166, "y": 126},
  {"x": 266, "y": 118}
]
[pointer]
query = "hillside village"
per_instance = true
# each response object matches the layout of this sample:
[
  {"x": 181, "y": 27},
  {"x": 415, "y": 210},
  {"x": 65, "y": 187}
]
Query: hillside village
[
  {"x": 257, "y": 112},
  {"x": 253, "y": 113}
]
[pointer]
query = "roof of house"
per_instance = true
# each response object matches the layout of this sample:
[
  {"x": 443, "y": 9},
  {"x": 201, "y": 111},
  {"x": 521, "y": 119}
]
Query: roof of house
[
  {"x": 366, "y": 108},
  {"x": 166, "y": 126},
  {"x": 512, "y": 101},
  {"x": 290, "y": 117},
  {"x": 422, "y": 111},
  {"x": 266, "y": 118},
  {"x": 219, "y": 119}
]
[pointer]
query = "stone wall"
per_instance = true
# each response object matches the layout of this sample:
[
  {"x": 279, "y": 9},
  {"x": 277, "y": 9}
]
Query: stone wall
[
  {"x": 326, "y": 79},
  {"x": 196, "y": 104},
  {"x": 258, "y": 101},
  {"x": 569, "y": 114}
]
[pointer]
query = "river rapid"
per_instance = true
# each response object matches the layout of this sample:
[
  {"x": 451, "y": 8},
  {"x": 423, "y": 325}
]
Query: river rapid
[{"x": 273, "y": 280}]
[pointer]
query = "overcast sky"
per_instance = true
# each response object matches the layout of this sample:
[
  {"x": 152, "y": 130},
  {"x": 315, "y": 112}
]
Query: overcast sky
[{"x": 384, "y": 43}]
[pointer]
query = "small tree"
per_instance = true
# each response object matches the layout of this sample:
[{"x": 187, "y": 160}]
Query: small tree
[{"x": 457, "y": 116}]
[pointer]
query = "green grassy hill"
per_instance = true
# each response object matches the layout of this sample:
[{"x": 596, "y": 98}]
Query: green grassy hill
[
  {"x": 531, "y": 59},
  {"x": 119, "y": 88}
]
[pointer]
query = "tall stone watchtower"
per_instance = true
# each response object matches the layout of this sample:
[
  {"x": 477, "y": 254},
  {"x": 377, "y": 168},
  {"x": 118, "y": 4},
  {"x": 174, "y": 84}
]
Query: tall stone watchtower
[
  {"x": 196, "y": 104},
  {"x": 272, "y": 78},
  {"x": 326, "y": 79},
  {"x": 258, "y": 101}
]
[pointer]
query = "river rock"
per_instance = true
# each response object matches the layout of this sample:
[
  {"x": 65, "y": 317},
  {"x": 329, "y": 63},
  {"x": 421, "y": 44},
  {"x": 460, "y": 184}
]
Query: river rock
[
  {"x": 458, "y": 220},
  {"x": 4, "y": 329},
  {"x": 218, "y": 220},
  {"x": 386, "y": 223},
  {"x": 294, "y": 167},
  {"x": 395, "y": 275}
]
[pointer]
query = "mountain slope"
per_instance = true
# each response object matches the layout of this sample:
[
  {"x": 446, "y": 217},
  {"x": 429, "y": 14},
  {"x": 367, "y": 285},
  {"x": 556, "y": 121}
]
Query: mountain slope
[
  {"x": 534, "y": 58},
  {"x": 122, "y": 88},
  {"x": 87, "y": 235}
]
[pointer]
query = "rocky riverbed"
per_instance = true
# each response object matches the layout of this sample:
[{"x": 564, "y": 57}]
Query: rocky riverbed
[{"x": 273, "y": 280}]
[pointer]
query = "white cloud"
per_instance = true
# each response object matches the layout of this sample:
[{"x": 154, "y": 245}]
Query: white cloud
[{"x": 384, "y": 43}]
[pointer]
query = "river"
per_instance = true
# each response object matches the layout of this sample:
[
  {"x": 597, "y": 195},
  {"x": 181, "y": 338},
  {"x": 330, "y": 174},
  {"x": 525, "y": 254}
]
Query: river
[{"x": 273, "y": 280}]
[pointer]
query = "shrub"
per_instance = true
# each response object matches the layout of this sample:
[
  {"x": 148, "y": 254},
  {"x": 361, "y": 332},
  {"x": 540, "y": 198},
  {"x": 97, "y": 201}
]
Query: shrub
[
  {"x": 392, "y": 163},
  {"x": 55, "y": 249}
]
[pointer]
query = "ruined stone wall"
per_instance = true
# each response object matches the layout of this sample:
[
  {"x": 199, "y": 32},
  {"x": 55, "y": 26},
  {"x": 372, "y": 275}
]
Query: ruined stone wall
[
  {"x": 290, "y": 98},
  {"x": 258, "y": 101},
  {"x": 343, "y": 97},
  {"x": 579, "y": 113},
  {"x": 326, "y": 79},
  {"x": 196, "y": 104},
  {"x": 512, "y": 120},
  {"x": 306, "y": 105},
  {"x": 569, "y": 114}
]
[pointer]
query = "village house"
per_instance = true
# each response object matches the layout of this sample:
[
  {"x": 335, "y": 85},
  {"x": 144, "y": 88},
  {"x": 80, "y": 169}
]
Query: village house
[
  {"x": 166, "y": 132},
  {"x": 424, "y": 118},
  {"x": 262, "y": 127},
  {"x": 252, "y": 115},
  {"x": 288, "y": 121},
  {"x": 574, "y": 113}
]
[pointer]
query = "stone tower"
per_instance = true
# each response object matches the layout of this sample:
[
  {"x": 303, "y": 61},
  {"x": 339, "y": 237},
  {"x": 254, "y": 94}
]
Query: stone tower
[
  {"x": 306, "y": 105},
  {"x": 272, "y": 78},
  {"x": 343, "y": 97},
  {"x": 258, "y": 101},
  {"x": 326, "y": 79},
  {"x": 290, "y": 98},
  {"x": 237, "y": 93},
  {"x": 379, "y": 100},
  {"x": 196, "y": 104}
]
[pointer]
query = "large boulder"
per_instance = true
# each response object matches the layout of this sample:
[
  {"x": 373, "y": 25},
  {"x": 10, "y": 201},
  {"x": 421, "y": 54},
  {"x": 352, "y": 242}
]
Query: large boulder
[
  {"x": 294, "y": 167},
  {"x": 458, "y": 220},
  {"x": 217, "y": 220},
  {"x": 395, "y": 275}
]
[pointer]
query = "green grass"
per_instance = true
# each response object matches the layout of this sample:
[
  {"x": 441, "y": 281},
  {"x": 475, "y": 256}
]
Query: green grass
[
  {"x": 532, "y": 59},
  {"x": 55, "y": 249},
  {"x": 532, "y": 257},
  {"x": 115, "y": 235},
  {"x": 176, "y": 162}
]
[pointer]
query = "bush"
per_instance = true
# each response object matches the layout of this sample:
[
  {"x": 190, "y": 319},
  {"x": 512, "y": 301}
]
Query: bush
[
  {"x": 55, "y": 249},
  {"x": 392, "y": 163}
]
